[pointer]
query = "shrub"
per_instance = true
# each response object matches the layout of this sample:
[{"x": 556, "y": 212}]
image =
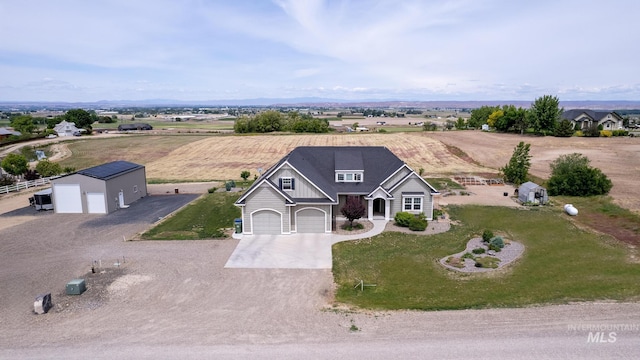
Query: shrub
[
  {"x": 69, "y": 169},
  {"x": 497, "y": 242},
  {"x": 478, "y": 251},
  {"x": 579, "y": 133},
  {"x": 418, "y": 223},
  {"x": 6, "y": 180},
  {"x": 403, "y": 218},
  {"x": 212, "y": 190},
  {"x": 606, "y": 133},
  {"x": 468, "y": 255},
  {"x": 571, "y": 175},
  {"x": 487, "y": 235}
]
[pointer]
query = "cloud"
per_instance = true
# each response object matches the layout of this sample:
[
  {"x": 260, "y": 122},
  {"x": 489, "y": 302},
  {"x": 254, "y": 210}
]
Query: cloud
[{"x": 199, "y": 50}]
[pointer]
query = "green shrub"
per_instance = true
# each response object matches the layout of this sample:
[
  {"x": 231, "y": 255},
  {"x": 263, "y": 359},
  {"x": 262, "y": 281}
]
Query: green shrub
[
  {"x": 403, "y": 218},
  {"x": 212, "y": 190},
  {"x": 468, "y": 255},
  {"x": 418, "y": 223},
  {"x": 478, "y": 251},
  {"x": 497, "y": 242},
  {"x": 487, "y": 235}
]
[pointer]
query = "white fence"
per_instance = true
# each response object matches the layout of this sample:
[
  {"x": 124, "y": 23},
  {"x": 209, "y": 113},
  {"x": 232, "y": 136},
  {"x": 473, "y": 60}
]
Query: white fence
[{"x": 25, "y": 185}]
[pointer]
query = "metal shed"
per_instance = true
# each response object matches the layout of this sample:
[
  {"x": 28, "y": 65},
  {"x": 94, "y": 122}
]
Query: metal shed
[
  {"x": 101, "y": 189},
  {"x": 532, "y": 193}
]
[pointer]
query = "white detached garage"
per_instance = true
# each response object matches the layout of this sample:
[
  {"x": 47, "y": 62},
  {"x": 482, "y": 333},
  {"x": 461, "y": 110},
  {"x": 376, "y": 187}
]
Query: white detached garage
[{"x": 101, "y": 189}]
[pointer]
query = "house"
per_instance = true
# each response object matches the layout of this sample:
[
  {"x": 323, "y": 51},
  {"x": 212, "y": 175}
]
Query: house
[
  {"x": 610, "y": 120},
  {"x": 305, "y": 190},
  {"x": 65, "y": 128},
  {"x": 6, "y": 133},
  {"x": 532, "y": 193},
  {"x": 133, "y": 127},
  {"x": 101, "y": 189}
]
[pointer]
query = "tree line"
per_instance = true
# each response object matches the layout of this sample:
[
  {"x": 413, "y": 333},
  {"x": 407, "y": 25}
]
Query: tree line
[{"x": 272, "y": 121}]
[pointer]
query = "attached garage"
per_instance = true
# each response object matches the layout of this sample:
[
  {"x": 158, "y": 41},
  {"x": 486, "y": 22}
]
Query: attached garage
[
  {"x": 311, "y": 220},
  {"x": 67, "y": 198},
  {"x": 101, "y": 189},
  {"x": 266, "y": 222}
]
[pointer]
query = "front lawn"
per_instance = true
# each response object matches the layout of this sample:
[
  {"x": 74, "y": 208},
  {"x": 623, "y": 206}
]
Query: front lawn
[
  {"x": 206, "y": 218},
  {"x": 561, "y": 263}
]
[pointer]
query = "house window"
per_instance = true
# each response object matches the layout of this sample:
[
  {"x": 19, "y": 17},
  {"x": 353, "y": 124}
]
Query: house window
[
  {"x": 135, "y": 188},
  {"x": 349, "y": 177},
  {"x": 412, "y": 203},
  {"x": 286, "y": 183}
]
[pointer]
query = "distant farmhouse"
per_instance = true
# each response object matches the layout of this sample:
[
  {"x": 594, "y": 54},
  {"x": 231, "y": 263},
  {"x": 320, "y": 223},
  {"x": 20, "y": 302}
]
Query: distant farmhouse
[
  {"x": 5, "y": 133},
  {"x": 65, "y": 128},
  {"x": 133, "y": 127},
  {"x": 610, "y": 120}
]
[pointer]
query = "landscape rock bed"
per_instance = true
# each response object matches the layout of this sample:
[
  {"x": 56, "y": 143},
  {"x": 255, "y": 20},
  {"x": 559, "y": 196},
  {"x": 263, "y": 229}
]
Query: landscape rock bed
[{"x": 512, "y": 251}]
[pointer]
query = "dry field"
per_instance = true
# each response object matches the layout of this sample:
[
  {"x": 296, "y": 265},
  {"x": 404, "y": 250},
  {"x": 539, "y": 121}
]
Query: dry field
[
  {"x": 224, "y": 157},
  {"x": 618, "y": 158}
]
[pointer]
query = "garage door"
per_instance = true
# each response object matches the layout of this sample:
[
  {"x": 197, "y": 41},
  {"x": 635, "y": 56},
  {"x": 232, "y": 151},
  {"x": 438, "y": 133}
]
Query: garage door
[
  {"x": 96, "y": 204},
  {"x": 266, "y": 222},
  {"x": 310, "y": 221},
  {"x": 67, "y": 199}
]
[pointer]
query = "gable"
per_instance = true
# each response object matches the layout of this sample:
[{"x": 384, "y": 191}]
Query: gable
[{"x": 301, "y": 186}]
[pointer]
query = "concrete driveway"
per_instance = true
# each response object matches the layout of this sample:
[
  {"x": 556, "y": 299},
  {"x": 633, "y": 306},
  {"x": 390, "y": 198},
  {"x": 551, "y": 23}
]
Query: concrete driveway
[{"x": 295, "y": 251}]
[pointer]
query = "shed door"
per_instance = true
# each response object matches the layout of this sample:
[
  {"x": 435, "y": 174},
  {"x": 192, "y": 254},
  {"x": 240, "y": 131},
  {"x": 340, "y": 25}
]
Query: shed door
[
  {"x": 96, "y": 203},
  {"x": 310, "y": 221},
  {"x": 266, "y": 222},
  {"x": 67, "y": 198}
]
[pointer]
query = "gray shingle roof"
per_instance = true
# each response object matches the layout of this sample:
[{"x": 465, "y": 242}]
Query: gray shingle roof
[
  {"x": 596, "y": 115},
  {"x": 110, "y": 170},
  {"x": 319, "y": 164}
]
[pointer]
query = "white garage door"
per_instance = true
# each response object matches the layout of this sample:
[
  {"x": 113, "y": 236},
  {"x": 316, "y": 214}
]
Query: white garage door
[
  {"x": 96, "y": 204},
  {"x": 67, "y": 199},
  {"x": 310, "y": 221},
  {"x": 266, "y": 222}
]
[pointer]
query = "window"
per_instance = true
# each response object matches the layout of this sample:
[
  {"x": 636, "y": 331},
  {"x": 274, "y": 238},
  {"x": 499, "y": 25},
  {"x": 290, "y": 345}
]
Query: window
[
  {"x": 412, "y": 203},
  {"x": 286, "y": 183},
  {"x": 349, "y": 177}
]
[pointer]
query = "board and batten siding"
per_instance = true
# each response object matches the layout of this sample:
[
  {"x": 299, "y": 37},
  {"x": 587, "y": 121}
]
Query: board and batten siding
[
  {"x": 302, "y": 188},
  {"x": 265, "y": 197},
  {"x": 413, "y": 184},
  {"x": 404, "y": 171}
]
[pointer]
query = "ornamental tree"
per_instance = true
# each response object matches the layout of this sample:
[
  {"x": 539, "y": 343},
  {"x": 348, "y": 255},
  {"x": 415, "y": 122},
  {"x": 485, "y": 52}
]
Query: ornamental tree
[{"x": 353, "y": 209}]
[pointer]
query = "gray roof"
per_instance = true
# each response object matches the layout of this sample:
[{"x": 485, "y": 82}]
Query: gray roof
[
  {"x": 319, "y": 165},
  {"x": 528, "y": 186},
  {"x": 5, "y": 131},
  {"x": 110, "y": 170},
  {"x": 593, "y": 114}
]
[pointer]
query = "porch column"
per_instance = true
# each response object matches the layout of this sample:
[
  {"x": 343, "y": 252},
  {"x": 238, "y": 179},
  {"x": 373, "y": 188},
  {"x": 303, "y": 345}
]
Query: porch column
[
  {"x": 387, "y": 209},
  {"x": 370, "y": 209}
]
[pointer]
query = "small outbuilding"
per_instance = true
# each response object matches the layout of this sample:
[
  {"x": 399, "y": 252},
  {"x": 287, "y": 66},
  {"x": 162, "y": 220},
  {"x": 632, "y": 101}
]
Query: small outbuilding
[
  {"x": 134, "y": 127},
  {"x": 101, "y": 189},
  {"x": 532, "y": 193}
]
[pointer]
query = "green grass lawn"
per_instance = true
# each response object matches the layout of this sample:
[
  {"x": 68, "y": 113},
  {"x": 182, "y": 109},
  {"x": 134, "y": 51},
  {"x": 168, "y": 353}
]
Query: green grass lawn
[
  {"x": 561, "y": 263},
  {"x": 206, "y": 218}
]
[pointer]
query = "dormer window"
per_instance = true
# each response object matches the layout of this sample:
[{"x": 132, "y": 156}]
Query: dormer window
[
  {"x": 287, "y": 183},
  {"x": 348, "y": 176}
]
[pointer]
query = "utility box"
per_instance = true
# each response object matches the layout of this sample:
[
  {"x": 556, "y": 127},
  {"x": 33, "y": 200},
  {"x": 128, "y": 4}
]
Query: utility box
[
  {"x": 238, "y": 225},
  {"x": 76, "y": 287},
  {"x": 42, "y": 303}
]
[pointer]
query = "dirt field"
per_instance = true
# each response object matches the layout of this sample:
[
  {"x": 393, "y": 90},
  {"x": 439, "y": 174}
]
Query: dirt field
[{"x": 618, "y": 158}]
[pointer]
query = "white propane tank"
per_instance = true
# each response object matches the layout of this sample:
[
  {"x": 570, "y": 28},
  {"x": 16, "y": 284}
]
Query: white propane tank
[{"x": 571, "y": 210}]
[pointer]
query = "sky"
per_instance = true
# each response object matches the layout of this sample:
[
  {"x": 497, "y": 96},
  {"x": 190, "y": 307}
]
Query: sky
[{"x": 429, "y": 50}]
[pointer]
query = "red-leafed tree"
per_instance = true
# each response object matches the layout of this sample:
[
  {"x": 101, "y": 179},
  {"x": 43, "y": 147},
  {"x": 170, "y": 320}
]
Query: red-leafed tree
[{"x": 353, "y": 209}]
